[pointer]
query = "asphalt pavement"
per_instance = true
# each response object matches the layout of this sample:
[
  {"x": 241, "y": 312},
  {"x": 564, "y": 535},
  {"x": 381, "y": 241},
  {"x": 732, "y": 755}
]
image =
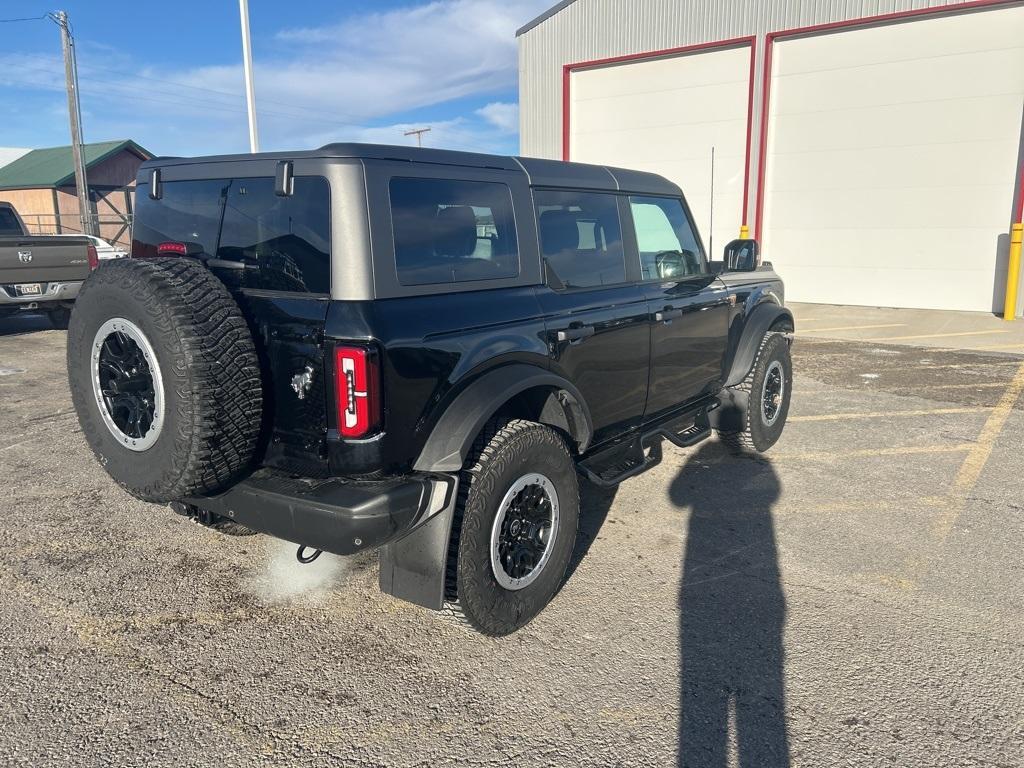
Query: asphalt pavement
[{"x": 852, "y": 598}]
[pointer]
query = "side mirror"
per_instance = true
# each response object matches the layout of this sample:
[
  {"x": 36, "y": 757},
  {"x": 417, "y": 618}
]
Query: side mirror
[{"x": 742, "y": 256}]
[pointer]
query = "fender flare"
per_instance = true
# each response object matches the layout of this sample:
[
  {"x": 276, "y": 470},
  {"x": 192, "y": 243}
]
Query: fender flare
[
  {"x": 761, "y": 319},
  {"x": 452, "y": 436}
]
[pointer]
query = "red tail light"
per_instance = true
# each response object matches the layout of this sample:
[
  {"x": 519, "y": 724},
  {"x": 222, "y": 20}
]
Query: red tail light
[
  {"x": 356, "y": 391},
  {"x": 94, "y": 258},
  {"x": 179, "y": 248}
]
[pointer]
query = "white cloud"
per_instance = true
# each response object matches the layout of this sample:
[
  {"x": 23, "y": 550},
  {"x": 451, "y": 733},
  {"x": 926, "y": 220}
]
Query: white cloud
[
  {"x": 502, "y": 115},
  {"x": 336, "y": 81},
  {"x": 377, "y": 64}
]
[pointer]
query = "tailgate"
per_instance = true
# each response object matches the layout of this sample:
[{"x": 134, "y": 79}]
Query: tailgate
[{"x": 43, "y": 259}]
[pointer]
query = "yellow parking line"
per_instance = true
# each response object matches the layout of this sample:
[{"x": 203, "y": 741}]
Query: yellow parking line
[
  {"x": 855, "y": 327},
  {"x": 1015, "y": 345},
  {"x": 869, "y": 452},
  {"x": 982, "y": 384},
  {"x": 884, "y": 414},
  {"x": 979, "y": 454},
  {"x": 967, "y": 366},
  {"x": 934, "y": 335}
]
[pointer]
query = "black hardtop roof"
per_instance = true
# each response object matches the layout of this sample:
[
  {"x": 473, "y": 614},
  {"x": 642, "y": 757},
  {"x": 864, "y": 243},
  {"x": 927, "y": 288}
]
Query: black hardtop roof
[{"x": 541, "y": 173}]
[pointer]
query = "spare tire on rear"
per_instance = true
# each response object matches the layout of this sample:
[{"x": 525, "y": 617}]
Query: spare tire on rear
[{"x": 164, "y": 377}]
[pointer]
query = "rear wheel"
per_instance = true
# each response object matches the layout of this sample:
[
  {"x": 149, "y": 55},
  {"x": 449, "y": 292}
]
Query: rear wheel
[
  {"x": 515, "y": 526},
  {"x": 768, "y": 388}
]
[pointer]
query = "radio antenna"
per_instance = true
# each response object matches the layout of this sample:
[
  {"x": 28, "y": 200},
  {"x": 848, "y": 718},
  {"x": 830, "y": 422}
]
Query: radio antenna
[{"x": 711, "y": 218}]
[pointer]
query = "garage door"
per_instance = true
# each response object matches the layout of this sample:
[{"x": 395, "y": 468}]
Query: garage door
[
  {"x": 892, "y": 158},
  {"x": 665, "y": 115}
]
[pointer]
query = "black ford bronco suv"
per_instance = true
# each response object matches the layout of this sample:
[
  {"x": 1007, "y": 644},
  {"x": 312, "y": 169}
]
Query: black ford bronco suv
[{"x": 419, "y": 351}]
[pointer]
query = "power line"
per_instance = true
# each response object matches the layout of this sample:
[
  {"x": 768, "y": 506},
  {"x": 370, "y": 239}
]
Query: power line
[{"x": 27, "y": 18}]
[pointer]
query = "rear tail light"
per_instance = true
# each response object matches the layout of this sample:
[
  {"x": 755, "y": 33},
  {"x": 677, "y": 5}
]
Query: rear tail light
[
  {"x": 356, "y": 391},
  {"x": 94, "y": 258}
]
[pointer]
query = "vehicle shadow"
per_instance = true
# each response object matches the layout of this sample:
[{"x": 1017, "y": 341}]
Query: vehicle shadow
[
  {"x": 731, "y": 612},
  {"x": 21, "y": 323},
  {"x": 594, "y": 505}
]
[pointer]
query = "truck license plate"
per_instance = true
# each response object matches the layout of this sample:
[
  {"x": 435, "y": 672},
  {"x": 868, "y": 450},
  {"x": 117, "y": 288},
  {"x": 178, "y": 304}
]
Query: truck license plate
[{"x": 28, "y": 289}]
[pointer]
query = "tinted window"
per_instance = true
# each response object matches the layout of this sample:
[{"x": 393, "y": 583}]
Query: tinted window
[
  {"x": 666, "y": 241},
  {"x": 288, "y": 238},
  {"x": 9, "y": 223},
  {"x": 580, "y": 237},
  {"x": 449, "y": 231}
]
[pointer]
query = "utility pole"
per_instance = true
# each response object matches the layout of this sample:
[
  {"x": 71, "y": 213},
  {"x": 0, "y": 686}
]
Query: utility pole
[
  {"x": 75, "y": 115},
  {"x": 418, "y": 132},
  {"x": 250, "y": 90}
]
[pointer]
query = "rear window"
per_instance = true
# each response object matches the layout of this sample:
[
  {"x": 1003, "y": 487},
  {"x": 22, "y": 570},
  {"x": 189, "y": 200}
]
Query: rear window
[
  {"x": 287, "y": 238},
  {"x": 9, "y": 225},
  {"x": 449, "y": 231}
]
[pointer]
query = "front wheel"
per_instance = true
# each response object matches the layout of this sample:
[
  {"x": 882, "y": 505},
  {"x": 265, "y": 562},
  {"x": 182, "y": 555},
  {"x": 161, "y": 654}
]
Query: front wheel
[
  {"x": 515, "y": 527},
  {"x": 768, "y": 388}
]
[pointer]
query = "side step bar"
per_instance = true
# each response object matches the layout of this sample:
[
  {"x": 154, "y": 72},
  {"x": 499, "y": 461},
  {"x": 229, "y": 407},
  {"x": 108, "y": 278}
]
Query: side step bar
[{"x": 609, "y": 467}]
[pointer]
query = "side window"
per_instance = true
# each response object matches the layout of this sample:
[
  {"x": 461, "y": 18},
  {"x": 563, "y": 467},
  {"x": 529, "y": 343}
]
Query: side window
[
  {"x": 580, "y": 237},
  {"x": 288, "y": 238},
  {"x": 668, "y": 247},
  {"x": 449, "y": 231}
]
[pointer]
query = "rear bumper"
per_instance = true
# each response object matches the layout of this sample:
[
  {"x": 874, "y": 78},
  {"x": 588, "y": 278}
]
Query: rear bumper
[
  {"x": 338, "y": 516},
  {"x": 51, "y": 292}
]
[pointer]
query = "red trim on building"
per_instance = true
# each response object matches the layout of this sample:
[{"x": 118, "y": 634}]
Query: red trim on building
[
  {"x": 736, "y": 42},
  {"x": 836, "y": 26}
]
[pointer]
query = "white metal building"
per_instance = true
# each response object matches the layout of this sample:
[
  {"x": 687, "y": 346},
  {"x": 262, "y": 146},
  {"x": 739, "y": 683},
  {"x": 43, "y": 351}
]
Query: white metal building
[{"x": 875, "y": 147}]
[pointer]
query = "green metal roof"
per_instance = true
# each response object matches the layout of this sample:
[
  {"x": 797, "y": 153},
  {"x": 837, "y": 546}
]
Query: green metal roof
[{"x": 54, "y": 167}]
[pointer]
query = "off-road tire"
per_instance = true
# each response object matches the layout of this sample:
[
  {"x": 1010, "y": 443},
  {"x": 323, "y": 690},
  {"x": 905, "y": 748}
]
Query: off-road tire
[
  {"x": 757, "y": 436},
  {"x": 211, "y": 376},
  {"x": 59, "y": 318},
  {"x": 503, "y": 453}
]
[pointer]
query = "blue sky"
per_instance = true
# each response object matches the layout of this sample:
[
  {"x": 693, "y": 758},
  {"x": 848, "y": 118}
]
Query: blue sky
[{"x": 169, "y": 74}]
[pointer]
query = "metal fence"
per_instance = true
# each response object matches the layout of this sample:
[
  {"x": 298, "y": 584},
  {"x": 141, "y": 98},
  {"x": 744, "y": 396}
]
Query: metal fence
[{"x": 114, "y": 228}]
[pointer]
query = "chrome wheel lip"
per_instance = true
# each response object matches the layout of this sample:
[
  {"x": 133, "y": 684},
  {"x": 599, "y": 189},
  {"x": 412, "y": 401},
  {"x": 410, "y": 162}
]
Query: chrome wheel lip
[
  {"x": 133, "y": 332},
  {"x": 772, "y": 395},
  {"x": 500, "y": 574}
]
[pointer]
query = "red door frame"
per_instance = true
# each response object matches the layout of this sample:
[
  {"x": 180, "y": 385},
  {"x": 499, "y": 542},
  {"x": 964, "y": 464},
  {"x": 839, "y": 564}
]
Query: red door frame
[
  {"x": 736, "y": 42},
  {"x": 868, "y": 21}
]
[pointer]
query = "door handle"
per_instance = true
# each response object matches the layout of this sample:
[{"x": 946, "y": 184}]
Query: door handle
[
  {"x": 667, "y": 315},
  {"x": 575, "y": 334}
]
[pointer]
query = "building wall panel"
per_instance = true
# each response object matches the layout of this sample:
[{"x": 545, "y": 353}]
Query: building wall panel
[{"x": 898, "y": 146}]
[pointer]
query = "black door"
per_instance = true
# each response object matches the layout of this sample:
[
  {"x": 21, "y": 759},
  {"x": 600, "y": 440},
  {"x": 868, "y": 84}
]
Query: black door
[
  {"x": 689, "y": 307},
  {"x": 597, "y": 323}
]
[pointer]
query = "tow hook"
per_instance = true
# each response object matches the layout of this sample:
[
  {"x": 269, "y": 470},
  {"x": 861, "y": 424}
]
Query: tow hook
[
  {"x": 201, "y": 516},
  {"x": 304, "y": 558}
]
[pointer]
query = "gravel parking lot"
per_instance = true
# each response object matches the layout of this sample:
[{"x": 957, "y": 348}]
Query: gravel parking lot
[{"x": 852, "y": 598}]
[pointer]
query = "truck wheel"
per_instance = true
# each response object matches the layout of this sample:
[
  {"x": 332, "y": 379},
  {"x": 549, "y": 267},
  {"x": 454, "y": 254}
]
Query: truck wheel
[
  {"x": 59, "y": 318},
  {"x": 515, "y": 527},
  {"x": 164, "y": 377},
  {"x": 768, "y": 388}
]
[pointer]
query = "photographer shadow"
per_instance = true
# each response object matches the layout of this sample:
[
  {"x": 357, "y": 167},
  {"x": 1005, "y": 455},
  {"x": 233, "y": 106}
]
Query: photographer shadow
[{"x": 731, "y": 612}]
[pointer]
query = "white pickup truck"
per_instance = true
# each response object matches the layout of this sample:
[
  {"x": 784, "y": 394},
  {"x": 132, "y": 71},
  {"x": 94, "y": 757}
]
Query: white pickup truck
[{"x": 40, "y": 273}]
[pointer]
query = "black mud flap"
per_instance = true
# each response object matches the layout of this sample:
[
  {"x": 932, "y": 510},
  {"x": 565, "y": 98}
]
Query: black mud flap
[
  {"x": 731, "y": 415},
  {"x": 413, "y": 567}
]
